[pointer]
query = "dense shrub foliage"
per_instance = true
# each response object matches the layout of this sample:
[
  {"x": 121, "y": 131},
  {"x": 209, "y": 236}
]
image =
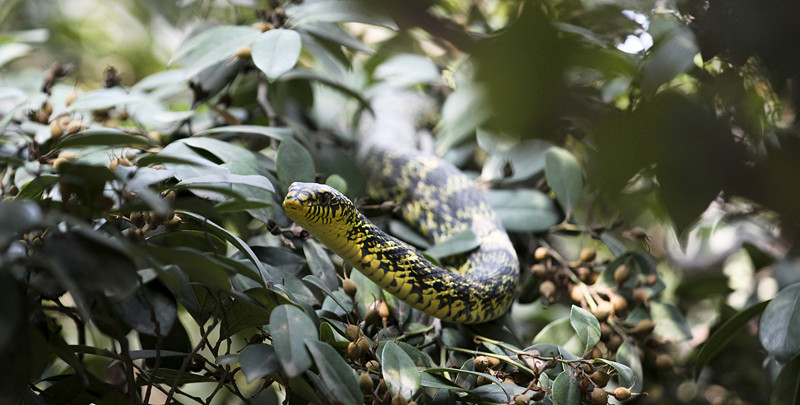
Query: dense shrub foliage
[{"x": 642, "y": 156}]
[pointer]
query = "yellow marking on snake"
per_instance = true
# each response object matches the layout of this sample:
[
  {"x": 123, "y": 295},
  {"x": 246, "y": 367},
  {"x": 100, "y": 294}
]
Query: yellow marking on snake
[{"x": 437, "y": 200}]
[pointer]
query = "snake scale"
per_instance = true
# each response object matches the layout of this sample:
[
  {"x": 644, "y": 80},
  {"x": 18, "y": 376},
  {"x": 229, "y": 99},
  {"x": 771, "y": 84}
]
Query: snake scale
[{"x": 437, "y": 200}]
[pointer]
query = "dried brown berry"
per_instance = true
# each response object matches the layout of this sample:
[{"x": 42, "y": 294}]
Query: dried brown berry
[
  {"x": 599, "y": 396},
  {"x": 398, "y": 399},
  {"x": 664, "y": 362},
  {"x": 602, "y": 311},
  {"x": 622, "y": 274},
  {"x": 622, "y": 393},
  {"x": 539, "y": 270},
  {"x": 619, "y": 302},
  {"x": 541, "y": 253},
  {"x": 350, "y": 287},
  {"x": 537, "y": 395},
  {"x": 588, "y": 255},
  {"x": 365, "y": 383},
  {"x": 600, "y": 378},
  {"x": 547, "y": 288},
  {"x": 373, "y": 365},
  {"x": 481, "y": 363},
  {"x": 522, "y": 399},
  {"x": 353, "y": 351},
  {"x": 352, "y": 332},
  {"x": 243, "y": 52},
  {"x": 55, "y": 130},
  {"x": 371, "y": 317}
]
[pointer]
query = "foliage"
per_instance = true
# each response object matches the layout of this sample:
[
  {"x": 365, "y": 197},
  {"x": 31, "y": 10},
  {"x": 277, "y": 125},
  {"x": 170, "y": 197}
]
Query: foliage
[{"x": 145, "y": 256}]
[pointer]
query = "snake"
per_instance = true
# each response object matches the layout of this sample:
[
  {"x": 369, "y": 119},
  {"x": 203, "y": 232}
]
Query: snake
[{"x": 437, "y": 200}]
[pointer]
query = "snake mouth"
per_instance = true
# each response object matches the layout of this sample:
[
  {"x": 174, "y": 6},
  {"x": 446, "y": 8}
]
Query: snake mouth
[{"x": 292, "y": 204}]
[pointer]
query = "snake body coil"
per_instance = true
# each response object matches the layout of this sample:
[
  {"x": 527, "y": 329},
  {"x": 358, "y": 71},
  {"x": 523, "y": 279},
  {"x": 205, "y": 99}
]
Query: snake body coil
[{"x": 437, "y": 200}]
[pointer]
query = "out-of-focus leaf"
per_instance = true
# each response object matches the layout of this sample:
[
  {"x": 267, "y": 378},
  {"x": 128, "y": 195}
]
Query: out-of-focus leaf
[
  {"x": 278, "y": 133},
  {"x": 564, "y": 176},
  {"x": 15, "y": 344},
  {"x": 626, "y": 355},
  {"x": 462, "y": 113},
  {"x": 587, "y": 327},
  {"x": 336, "y": 34},
  {"x": 408, "y": 70},
  {"x": 524, "y": 210},
  {"x": 461, "y": 242},
  {"x": 337, "y": 11},
  {"x": 276, "y": 51},
  {"x": 779, "y": 329},
  {"x": 565, "y": 390},
  {"x": 95, "y": 264},
  {"x": 399, "y": 371},
  {"x": 400, "y": 230},
  {"x": 103, "y": 137},
  {"x": 291, "y": 329},
  {"x": 9, "y": 52},
  {"x": 104, "y": 98},
  {"x": 294, "y": 163},
  {"x": 258, "y": 360},
  {"x": 671, "y": 55},
  {"x": 786, "y": 389},
  {"x": 337, "y": 375},
  {"x": 725, "y": 333},
  {"x": 212, "y": 46},
  {"x": 670, "y": 323},
  {"x": 17, "y": 217},
  {"x": 337, "y": 85}
]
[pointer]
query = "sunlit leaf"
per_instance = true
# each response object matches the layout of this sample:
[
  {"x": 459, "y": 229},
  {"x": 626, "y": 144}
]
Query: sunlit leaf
[
  {"x": 336, "y": 373},
  {"x": 276, "y": 51},
  {"x": 399, "y": 371},
  {"x": 586, "y": 325}
]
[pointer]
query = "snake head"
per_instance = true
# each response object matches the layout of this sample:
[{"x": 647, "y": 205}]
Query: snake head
[{"x": 312, "y": 205}]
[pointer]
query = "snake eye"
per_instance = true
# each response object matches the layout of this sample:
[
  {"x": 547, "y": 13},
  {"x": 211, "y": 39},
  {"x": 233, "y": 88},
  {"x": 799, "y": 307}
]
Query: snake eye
[{"x": 324, "y": 198}]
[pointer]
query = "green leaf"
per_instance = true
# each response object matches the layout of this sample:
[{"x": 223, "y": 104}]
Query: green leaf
[
  {"x": 399, "y": 371},
  {"x": 626, "y": 355},
  {"x": 786, "y": 389},
  {"x": 461, "y": 242},
  {"x": 564, "y": 176},
  {"x": 153, "y": 300},
  {"x": 213, "y": 45},
  {"x": 779, "y": 329},
  {"x": 291, "y": 329},
  {"x": 276, "y": 51},
  {"x": 320, "y": 264},
  {"x": 196, "y": 265},
  {"x": 338, "y": 182},
  {"x": 245, "y": 312},
  {"x": 248, "y": 180},
  {"x": 725, "y": 333},
  {"x": 670, "y": 323},
  {"x": 624, "y": 373},
  {"x": 587, "y": 327},
  {"x": 294, "y": 163},
  {"x": 279, "y": 133},
  {"x": 257, "y": 361},
  {"x": 558, "y": 332},
  {"x": 565, "y": 390},
  {"x": 337, "y": 375},
  {"x": 103, "y": 137},
  {"x": 524, "y": 210}
]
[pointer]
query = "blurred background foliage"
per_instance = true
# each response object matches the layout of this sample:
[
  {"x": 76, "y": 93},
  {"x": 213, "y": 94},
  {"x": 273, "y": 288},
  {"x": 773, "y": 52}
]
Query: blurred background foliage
[{"x": 643, "y": 155}]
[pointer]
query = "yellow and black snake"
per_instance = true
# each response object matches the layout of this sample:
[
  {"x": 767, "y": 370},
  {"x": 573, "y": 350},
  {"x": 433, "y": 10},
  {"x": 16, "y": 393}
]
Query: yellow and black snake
[{"x": 439, "y": 201}]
